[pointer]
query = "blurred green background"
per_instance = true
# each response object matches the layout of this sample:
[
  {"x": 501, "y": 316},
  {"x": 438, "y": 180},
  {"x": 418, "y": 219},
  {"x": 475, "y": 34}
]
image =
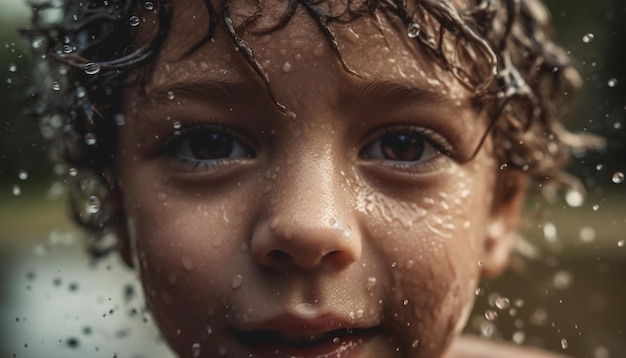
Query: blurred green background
[{"x": 566, "y": 290}]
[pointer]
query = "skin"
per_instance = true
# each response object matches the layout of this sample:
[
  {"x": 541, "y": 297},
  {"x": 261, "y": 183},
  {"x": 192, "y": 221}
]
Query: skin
[{"x": 311, "y": 223}]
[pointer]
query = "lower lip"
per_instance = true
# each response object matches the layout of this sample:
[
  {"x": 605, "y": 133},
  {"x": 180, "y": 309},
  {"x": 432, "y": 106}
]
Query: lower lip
[{"x": 344, "y": 346}]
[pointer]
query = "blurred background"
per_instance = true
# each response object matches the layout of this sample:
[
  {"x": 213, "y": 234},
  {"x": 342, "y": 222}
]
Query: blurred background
[{"x": 565, "y": 290}]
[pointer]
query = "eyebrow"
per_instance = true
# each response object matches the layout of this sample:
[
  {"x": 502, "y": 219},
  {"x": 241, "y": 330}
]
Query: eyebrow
[{"x": 375, "y": 92}]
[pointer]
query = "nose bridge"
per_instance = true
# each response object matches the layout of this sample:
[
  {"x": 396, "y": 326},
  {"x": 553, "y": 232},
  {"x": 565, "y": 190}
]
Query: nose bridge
[{"x": 310, "y": 215}]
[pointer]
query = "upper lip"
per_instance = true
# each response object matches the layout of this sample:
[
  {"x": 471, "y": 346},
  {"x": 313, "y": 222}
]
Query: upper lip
[{"x": 297, "y": 324}]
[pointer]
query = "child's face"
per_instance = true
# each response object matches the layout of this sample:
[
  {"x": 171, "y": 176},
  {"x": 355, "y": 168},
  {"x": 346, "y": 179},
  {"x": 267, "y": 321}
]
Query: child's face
[{"x": 344, "y": 229}]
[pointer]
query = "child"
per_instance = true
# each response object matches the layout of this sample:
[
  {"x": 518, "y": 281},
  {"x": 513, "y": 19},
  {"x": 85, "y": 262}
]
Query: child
[{"x": 307, "y": 178}]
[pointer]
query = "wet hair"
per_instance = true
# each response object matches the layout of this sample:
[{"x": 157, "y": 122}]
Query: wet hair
[{"x": 499, "y": 49}]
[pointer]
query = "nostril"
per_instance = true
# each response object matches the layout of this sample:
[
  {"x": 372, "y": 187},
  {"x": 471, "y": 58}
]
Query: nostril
[{"x": 279, "y": 256}]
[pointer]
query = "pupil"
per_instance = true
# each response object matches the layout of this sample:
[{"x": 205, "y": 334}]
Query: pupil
[
  {"x": 211, "y": 145},
  {"x": 402, "y": 146}
]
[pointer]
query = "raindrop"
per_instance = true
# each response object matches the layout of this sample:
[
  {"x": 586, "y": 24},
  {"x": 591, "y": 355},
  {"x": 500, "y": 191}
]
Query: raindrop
[
  {"x": 134, "y": 21},
  {"x": 237, "y": 280},
  {"x": 491, "y": 315},
  {"x": 595, "y": 207},
  {"x": 16, "y": 190},
  {"x": 612, "y": 82},
  {"x": 587, "y": 234},
  {"x": 286, "y": 67},
  {"x": 12, "y": 67},
  {"x": 93, "y": 205},
  {"x": 90, "y": 139},
  {"x": 618, "y": 177},
  {"x": 176, "y": 125},
  {"x": 414, "y": 30},
  {"x": 415, "y": 343},
  {"x": 119, "y": 119},
  {"x": 81, "y": 92},
  {"x": 549, "y": 232},
  {"x": 519, "y": 337},
  {"x": 587, "y": 38},
  {"x": 148, "y": 5},
  {"x": 56, "y": 86},
  {"x": 599, "y": 167},
  {"x": 562, "y": 280},
  {"x": 67, "y": 49},
  {"x": 563, "y": 343},
  {"x": 72, "y": 172},
  {"x": 621, "y": 243},
  {"x": 170, "y": 95},
  {"x": 502, "y": 303},
  {"x": 574, "y": 198},
  {"x": 91, "y": 68},
  {"x": 196, "y": 350},
  {"x": 22, "y": 174}
]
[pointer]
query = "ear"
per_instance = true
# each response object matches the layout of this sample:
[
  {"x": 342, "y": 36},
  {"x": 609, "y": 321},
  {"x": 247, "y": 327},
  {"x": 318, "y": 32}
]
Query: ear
[{"x": 502, "y": 226}]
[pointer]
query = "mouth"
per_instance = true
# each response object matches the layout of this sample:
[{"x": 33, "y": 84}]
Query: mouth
[{"x": 342, "y": 343}]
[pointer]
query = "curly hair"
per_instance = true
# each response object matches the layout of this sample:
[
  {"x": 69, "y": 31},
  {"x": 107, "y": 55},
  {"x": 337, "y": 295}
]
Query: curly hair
[{"x": 499, "y": 49}]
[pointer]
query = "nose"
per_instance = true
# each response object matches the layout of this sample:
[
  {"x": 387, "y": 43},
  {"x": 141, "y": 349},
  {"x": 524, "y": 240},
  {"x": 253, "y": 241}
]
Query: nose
[{"x": 310, "y": 220}]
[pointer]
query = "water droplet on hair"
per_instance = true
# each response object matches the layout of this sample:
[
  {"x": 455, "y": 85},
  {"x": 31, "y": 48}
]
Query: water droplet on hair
[
  {"x": 196, "y": 350},
  {"x": 502, "y": 302},
  {"x": 612, "y": 82},
  {"x": 134, "y": 20},
  {"x": 93, "y": 205},
  {"x": 120, "y": 119},
  {"x": 617, "y": 178},
  {"x": 148, "y": 5},
  {"x": 90, "y": 139},
  {"x": 22, "y": 174},
  {"x": 587, "y": 38},
  {"x": 564, "y": 344},
  {"x": 414, "y": 30},
  {"x": 236, "y": 282},
  {"x": 56, "y": 86},
  {"x": 12, "y": 68},
  {"x": 491, "y": 315},
  {"x": 16, "y": 190},
  {"x": 91, "y": 68}
]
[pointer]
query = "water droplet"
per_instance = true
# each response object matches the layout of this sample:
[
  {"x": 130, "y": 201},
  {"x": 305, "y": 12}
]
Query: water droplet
[
  {"x": 414, "y": 30},
  {"x": 336, "y": 340},
  {"x": 587, "y": 234},
  {"x": 148, "y": 5},
  {"x": 618, "y": 177},
  {"x": 16, "y": 190},
  {"x": 91, "y": 68},
  {"x": 562, "y": 279},
  {"x": 72, "y": 172},
  {"x": 415, "y": 343},
  {"x": 237, "y": 280},
  {"x": 371, "y": 282},
  {"x": 491, "y": 315},
  {"x": 12, "y": 67},
  {"x": 120, "y": 119},
  {"x": 93, "y": 205},
  {"x": 480, "y": 263},
  {"x": 56, "y": 86},
  {"x": 67, "y": 49},
  {"x": 90, "y": 139},
  {"x": 564, "y": 343},
  {"x": 595, "y": 207},
  {"x": 196, "y": 350},
  {"x": 187, "y": 264},
  {"x": 621, "y": 243},
  {"x": 502, "y": 302},
  {"x": 209, "y": 330},
  {"x": 587, "y": 38},
  {"x": 574, "y": 198},
  {"x": 518, "y": 337},
  {"x": 599, "y": 167},
  {"x": 170, "y": 95},
  {"x": 612, "y": 82},
  {"x": 487, "y": 329},
  {"x": 286, "y": 67},
  {"x": 134, "y": 20},
  {"x": 176, "y": 125},
  {"x": 22, "y": 174},
  {"x": 222, "y": 350}
]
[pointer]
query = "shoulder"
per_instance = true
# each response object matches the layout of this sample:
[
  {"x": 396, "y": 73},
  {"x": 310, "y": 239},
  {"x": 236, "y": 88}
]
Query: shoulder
[{"x": 474, "y": 347}]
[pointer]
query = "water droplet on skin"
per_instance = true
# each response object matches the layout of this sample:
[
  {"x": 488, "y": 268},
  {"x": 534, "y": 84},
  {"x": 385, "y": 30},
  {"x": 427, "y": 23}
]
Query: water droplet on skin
[
  {"x": 336, "y": 340},
  {"x": 12, "y": 68},
  {"x": 134, "y": 20},
  {"x": 15, "y": 190},
  {"x": 617, "y": 178},
  {"x": 286, "y": 67},
  {"x": 612, "y": 82},
  {"x": 491, "y": 315},
  {"x": 237, "y": 280},
  {"x": 56, "y": 86},
  {"x": 187, "y": 264},
  {"x": 120, "y": 119},
  {"x": 91, "y": 68},
  {"x": 564, "y": 344},
  {"x": 196, "y": 350},
  {"x": 22, "y": 174},
  {"x": 502, "y": 303},
  {"x": 93, "y": 205},
  {"x": 414, "y": 30},
  {"x": 621, "y": 243},
  {"x": 90, "y": 139},
  {"x": 148, "y": 5},
  {"x": 415, "y": 343},
  {"x": 371, "y": 282},
  {"x": 170, "y": 95},
  {"x": 587, "y": 38}
]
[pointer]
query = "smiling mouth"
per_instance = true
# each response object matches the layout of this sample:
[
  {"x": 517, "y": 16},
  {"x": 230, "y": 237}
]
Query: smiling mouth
[{"x": 336, "y": 343}]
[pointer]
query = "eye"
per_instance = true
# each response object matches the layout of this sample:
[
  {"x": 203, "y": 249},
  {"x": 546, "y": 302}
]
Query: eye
[
  {"x": 208, "y": 145},
  {"x": 400, "y": 146}
]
